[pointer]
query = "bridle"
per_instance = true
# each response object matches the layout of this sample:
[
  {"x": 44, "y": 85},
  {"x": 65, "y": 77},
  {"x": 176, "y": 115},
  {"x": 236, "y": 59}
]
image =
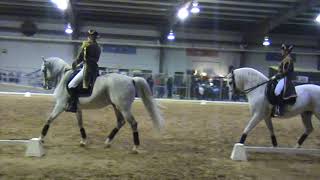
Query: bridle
[
  {"x": 45, "y": 77},
  {"x": 246, "y": 91},
  {"x": 233, "y": 83}
]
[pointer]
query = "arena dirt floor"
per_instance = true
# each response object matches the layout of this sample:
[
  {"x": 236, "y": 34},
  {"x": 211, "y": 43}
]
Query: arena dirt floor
[{"x": 196, "y": 144}]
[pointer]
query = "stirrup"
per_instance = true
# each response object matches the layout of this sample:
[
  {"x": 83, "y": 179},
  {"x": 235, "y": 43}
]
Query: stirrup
[
  {"x": 71, "y": 108},
  {"x": 278, "y": 112}
]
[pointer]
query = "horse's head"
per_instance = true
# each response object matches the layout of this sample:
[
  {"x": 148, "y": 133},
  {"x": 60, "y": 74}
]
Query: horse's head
[
  {"x": 232, "y": 84},
  {"x": 47, "y": 74}
]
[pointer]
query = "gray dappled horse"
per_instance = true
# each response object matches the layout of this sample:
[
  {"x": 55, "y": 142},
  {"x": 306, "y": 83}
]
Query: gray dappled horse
[
  {"x": 254, "y": 83},
  {"x": 110, "y": 89}
]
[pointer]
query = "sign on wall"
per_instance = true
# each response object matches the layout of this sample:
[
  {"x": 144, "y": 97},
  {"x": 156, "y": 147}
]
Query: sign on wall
[
  {"x": 201, "y": 52},
  {"x": 302, "y": 79},
  {"x": 119, "y": 49},
  {"x": 277, "y": 57}
]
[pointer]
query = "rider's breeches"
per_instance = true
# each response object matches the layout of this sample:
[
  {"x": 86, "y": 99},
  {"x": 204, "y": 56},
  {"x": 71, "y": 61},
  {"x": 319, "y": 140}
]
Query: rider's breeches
[
  {"x": 279, "y": 87},
  {"x": 76, "y": 80}
]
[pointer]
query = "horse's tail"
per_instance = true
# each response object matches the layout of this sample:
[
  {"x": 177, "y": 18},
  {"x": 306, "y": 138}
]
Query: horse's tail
[{"x": 144, "y": 92}]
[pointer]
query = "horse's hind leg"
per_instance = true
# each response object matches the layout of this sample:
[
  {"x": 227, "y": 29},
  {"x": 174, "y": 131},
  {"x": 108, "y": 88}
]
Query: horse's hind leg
[
  {"x": 134, "y": 126},
  {"x": 120, "y": 123},
  {"x": 270, "y": 127},
  {"x": 306, "y": 119},
  {"x": 58, "y": 109},
  {"x": 83, "y": 141}
]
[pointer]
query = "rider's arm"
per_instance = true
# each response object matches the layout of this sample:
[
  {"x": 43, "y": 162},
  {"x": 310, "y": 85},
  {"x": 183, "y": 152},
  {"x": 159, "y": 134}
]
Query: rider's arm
[{"x": 80, "y": 56}]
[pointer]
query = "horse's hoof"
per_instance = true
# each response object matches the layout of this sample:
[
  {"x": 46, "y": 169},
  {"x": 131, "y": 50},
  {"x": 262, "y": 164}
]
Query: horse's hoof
[
  {"x": 134, "y": 150},
  {"x": 83, "y": 143},
  {"x": 108, "y": 145},
  {"x": 41, "y": 140}
]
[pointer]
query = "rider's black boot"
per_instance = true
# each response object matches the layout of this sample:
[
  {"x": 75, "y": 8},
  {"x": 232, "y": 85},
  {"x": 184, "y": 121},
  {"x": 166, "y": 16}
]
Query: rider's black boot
[{"x": 73, "y": 101}]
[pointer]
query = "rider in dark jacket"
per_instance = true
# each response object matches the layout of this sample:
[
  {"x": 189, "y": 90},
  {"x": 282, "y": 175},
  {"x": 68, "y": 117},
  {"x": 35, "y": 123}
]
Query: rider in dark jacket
[
  {"x": 87, "y": 60},
  {"x": 285, "y": 87}
]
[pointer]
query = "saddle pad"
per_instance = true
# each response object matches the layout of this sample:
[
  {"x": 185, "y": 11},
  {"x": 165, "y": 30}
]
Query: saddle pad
[{"x": 272, "y": 98}]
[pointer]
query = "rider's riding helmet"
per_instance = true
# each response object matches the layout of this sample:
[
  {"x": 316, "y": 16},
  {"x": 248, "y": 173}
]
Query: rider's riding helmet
[
  {"x": 93, "y": 33},
  {"x": 286, "y": 49}
]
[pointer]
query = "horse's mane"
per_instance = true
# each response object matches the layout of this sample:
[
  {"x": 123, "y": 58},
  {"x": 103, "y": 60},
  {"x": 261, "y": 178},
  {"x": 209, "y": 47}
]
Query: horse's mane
[
  {"x": 57, "y": 64},
  {"x": 251, "y": 76}
]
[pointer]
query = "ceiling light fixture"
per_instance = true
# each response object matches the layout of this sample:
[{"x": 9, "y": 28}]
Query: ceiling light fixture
[
  {"x": 68, "y": 30},
  {"x": 183, "y": 13},
  {"x": 195, "y": 7},
  {"x": 61, "y": 4},
  {"x": 318, "y": 18},
  {"x": 171, "y": 36},
  {"x": 266, "y": 41}
]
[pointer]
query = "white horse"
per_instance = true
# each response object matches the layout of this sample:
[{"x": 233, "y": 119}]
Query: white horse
[
  {"x": 307, "y": 102},
  {"x": 111, "y": 89}
]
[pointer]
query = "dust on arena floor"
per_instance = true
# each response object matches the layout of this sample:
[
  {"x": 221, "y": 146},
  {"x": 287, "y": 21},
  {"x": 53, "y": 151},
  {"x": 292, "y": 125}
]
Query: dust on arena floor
[{"x": 196, "y": 144}]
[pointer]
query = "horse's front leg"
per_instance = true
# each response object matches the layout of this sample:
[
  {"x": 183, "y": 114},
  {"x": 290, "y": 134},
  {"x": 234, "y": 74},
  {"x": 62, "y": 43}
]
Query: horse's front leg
[
  {"x": 57, "y": 110},
  {"x": 83, "y": 141},
  {"x": 256, "y": 118}
]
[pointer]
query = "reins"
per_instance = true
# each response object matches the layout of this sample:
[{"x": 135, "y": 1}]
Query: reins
[{"x": 246, "y": 91}]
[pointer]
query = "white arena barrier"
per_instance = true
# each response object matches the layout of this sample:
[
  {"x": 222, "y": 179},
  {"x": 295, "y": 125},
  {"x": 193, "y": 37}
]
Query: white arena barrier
[
  {"x": 34, "y": 146},
  {"x": 240, "y": 151}
]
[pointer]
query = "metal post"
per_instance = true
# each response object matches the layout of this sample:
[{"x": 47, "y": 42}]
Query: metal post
[{"x": 221, "y": 87}]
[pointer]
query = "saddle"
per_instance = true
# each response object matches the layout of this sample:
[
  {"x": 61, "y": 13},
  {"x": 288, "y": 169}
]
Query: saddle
[
  {"x": 275, "y": 100},
  {"x": 80, "y": 91}
]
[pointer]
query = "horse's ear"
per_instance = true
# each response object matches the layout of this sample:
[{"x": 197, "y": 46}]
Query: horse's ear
[
  {"x": 43, "y": 59},
  {"x": 290, "y": 48},
  {"x": 283, "y": 46}
]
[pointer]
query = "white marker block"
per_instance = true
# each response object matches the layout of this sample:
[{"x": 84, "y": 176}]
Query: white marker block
[
  {"x": 27, "y": 94},
  {"x": 239, "y": 153},
  {"x": 34, "y": 148},
  {"x": 203, "y": 102}
]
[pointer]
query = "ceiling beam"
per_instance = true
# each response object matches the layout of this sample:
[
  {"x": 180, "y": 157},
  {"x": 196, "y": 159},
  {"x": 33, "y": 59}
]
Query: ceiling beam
[
  {"x": 225, "y": 18},
  {"x": 113, "y": 10},
  {"x": 284, "y": 1},
  {"x": 265, "y": 27},
  {"x": 239, "y": 9},
  {"x": 101, "y": 5},
  {"x": 30, "y": 12},
  {"x": 38, "y": 5},
  {"x": 232, "y": 14},
  {"x": 136, "y": 20},
  {"x": 304, "y": 19},
  {"x": 139, "y": 2},
  {"x": 243, "y": 3},
  {"x": 302, "y": 24},
  {"x": 42, "y": 19}
]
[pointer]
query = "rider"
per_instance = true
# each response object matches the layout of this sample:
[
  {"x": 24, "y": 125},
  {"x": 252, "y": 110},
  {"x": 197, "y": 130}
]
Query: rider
[
  {"x": 87, "y": 62},
  {"x": 285, "y": 76}
]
